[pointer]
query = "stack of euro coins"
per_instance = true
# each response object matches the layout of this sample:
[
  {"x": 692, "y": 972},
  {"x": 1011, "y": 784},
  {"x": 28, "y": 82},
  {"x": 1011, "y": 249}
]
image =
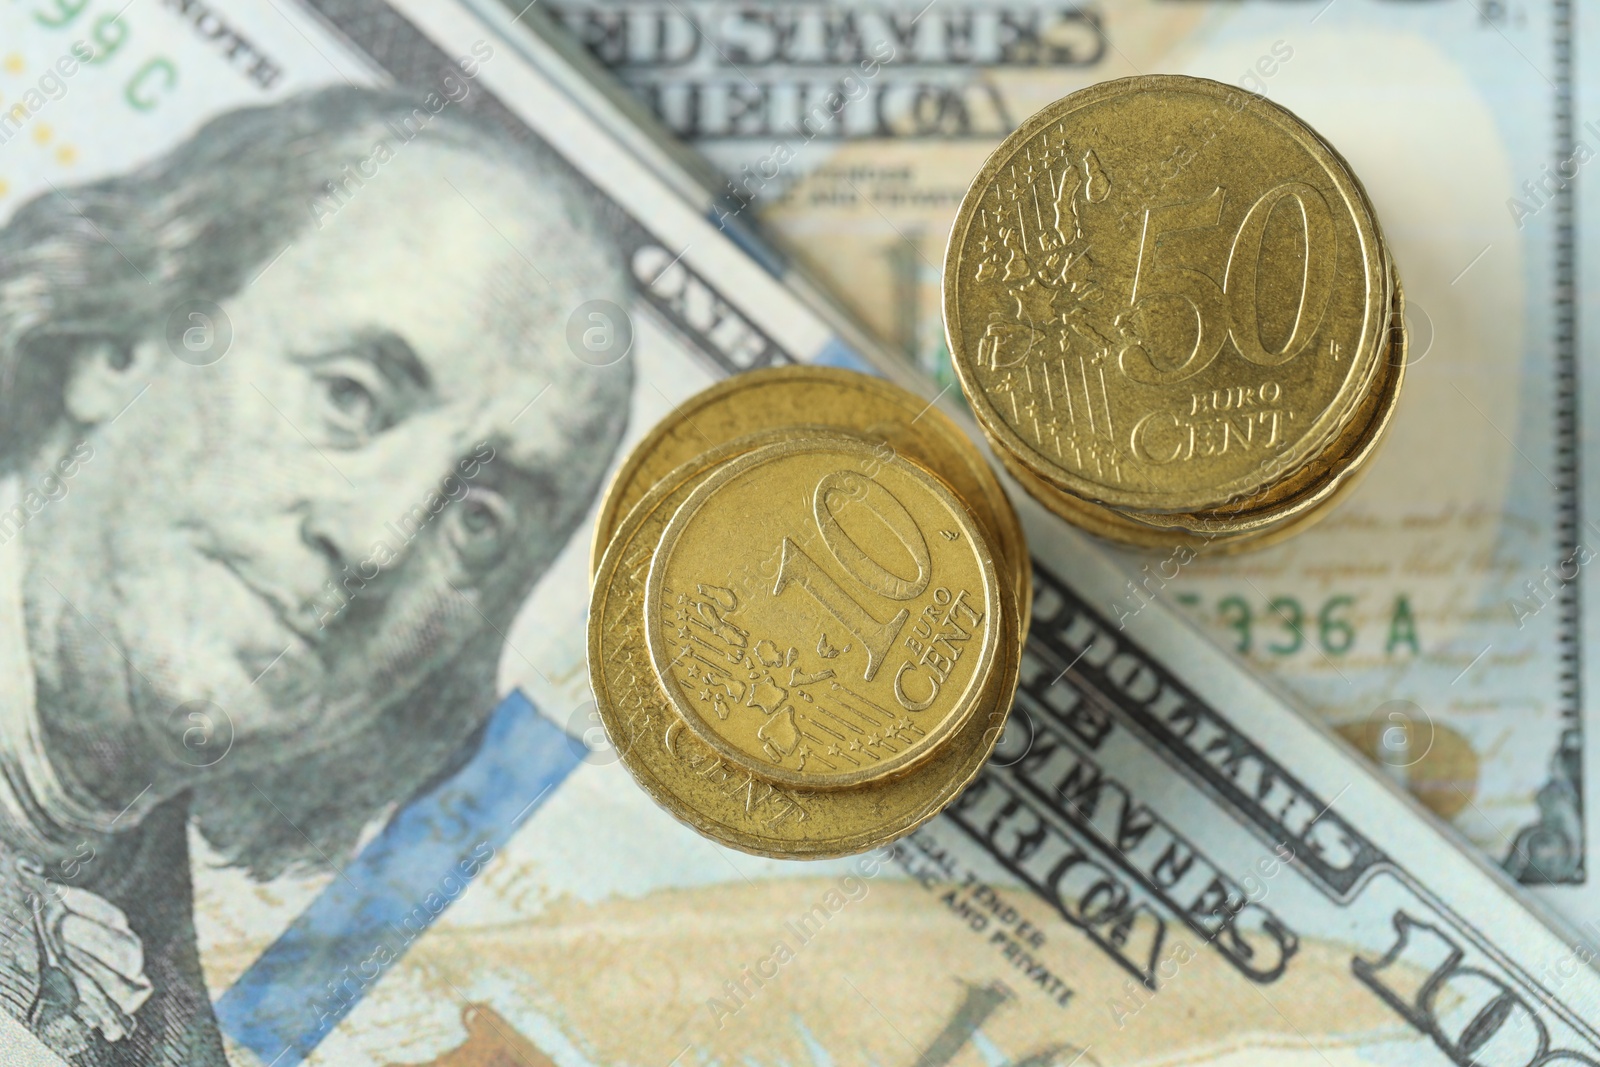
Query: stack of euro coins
[
  {"x": 808, "y": 600},
  {"x": 1172, "y": 310}
]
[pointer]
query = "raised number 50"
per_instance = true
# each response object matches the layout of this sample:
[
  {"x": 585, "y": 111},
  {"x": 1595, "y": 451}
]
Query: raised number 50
[{"x": 1229, "y": 311}]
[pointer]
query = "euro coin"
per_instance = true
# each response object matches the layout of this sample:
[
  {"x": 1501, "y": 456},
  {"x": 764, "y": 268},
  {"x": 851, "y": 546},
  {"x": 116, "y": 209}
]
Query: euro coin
[
  {"x": 823, "y": 614},
  {"x": 691, "y": 780},
  {"x": 821, "y": 396},
  {"x": 1163, "y": 294}
]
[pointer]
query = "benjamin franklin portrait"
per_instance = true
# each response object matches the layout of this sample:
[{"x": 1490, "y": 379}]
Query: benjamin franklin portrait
[{"x": 318, "y": 534}]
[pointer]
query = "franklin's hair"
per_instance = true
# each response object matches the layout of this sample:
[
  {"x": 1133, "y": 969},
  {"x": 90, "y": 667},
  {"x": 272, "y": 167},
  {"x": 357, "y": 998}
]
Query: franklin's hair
[{"x": 108, "y": 261}]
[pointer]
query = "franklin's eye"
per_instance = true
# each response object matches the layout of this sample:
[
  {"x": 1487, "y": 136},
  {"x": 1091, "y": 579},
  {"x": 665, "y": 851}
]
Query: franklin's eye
[
  {"x": 367, "y": 387},
  {"x": 480, "y": 527},
  {"x": 352, "y": 398}
]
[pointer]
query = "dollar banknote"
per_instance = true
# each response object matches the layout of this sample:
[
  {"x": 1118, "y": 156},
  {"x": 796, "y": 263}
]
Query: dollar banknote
[
  {"x": 347, "y": 307},
  {"x": 1435, "y": 619}
]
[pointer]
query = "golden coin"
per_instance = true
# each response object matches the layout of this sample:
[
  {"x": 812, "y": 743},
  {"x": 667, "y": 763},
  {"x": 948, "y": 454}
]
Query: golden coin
[
  {"x": 1157, "y": 282},
  {"x": 821, "y": 396},
  {"x": 821, "y": 614},
  {"x": 698, "y": 787},
  {"x": 1289, "y": 527}
]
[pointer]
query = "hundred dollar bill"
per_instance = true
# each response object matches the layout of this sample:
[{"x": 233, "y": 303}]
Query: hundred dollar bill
[
  {"x": 322, "y": 324},
  {"x": 1435, "y": 619}
]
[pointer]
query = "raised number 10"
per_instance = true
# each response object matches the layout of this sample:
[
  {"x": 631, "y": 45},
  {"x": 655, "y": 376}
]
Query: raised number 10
[{"x": 833, "y": 492}]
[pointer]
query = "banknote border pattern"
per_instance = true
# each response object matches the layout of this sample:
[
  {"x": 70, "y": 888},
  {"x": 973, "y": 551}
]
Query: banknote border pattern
[
  {"x": 1561, "y": 798},
  {"x": 1115, "y": 680},
  {"x": 1173, "y": 721}
]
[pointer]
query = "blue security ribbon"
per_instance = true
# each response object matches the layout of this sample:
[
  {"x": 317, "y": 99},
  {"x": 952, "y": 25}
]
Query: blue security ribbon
[{"x": 319, "y": 969}]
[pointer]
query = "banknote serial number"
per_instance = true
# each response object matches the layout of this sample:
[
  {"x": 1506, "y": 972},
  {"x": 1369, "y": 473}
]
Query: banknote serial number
[{"x": 1283, "y": 626}]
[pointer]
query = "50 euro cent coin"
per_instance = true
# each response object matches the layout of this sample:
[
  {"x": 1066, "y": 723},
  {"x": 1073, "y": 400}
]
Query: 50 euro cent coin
[
  {"x": 1142, "y": 246},
  {"x": 1305, "y": 495}
]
